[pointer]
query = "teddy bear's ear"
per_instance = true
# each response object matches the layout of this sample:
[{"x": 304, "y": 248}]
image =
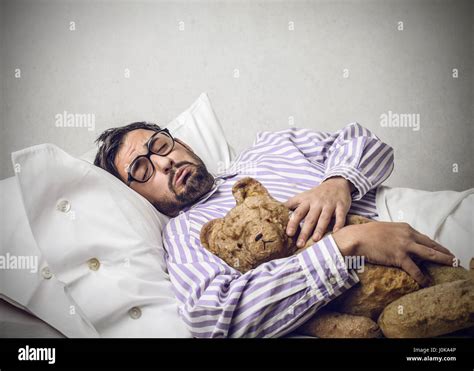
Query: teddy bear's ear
[
  {"x": 247, "y": 187},
  {"x": 206, "y": 233}
]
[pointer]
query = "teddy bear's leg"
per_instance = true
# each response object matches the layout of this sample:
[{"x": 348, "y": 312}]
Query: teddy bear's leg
[
  {"x": 430, "y": 312},
  {"x": 328, "y": 324},
  {"x": 378, "y": 286}
]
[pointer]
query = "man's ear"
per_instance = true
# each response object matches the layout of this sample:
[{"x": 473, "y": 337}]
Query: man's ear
[{"x": 184, "y": 145}]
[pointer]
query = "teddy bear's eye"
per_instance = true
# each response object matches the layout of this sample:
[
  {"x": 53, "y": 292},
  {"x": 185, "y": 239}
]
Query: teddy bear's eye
[{"x": 258, "y": 237}]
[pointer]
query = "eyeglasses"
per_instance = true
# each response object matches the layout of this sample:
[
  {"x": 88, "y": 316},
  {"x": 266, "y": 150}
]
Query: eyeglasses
[{"x": 142, "y": 169}]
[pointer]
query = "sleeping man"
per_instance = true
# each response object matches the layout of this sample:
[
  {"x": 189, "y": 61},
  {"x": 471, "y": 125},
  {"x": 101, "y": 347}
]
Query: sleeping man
[{"x": 320, "y": 176}]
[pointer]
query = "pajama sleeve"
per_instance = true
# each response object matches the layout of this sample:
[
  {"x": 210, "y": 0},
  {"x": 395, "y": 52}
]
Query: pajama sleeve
[{"x": 353, "y": 152}]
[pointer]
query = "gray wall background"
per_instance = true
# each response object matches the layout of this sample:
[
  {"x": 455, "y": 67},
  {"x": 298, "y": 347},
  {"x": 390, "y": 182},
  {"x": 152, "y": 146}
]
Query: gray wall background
[{"x": 282, "y": 72}]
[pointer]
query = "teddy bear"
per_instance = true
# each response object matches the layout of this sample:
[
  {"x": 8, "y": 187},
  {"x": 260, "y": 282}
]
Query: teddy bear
[{"x": 385, "y": 302}]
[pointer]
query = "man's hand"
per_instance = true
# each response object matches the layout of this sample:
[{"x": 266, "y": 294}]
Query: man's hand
[
  {"x": 392, "y": 244},
  {"x": 317, "y": 206}
]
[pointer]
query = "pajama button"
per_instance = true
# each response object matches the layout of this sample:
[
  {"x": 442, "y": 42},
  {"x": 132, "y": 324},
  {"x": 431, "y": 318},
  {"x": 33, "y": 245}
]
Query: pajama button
[
  {"x": 93, "y": 264},
  {"x": 332, "y": 280},
  {"x": 135, "y": 313},
  {"x": 63, "y": 206},
  {"x": 46, "y": 273}
]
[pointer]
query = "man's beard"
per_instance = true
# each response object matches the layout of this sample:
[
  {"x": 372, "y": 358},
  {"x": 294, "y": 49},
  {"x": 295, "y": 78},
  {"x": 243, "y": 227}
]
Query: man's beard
[{"x": 197, "y": 183}]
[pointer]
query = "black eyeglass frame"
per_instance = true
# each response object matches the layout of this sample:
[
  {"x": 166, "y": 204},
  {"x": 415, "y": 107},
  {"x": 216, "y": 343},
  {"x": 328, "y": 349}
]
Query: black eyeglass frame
[{"x": 130, "y": 178}]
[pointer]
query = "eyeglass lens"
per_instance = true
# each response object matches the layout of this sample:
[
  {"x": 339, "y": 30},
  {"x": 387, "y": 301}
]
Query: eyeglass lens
[{"x": 142, "y": 169}]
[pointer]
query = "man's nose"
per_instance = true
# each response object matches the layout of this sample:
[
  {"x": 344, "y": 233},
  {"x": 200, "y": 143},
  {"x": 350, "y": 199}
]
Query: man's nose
[{"x": 162, "y": 163}]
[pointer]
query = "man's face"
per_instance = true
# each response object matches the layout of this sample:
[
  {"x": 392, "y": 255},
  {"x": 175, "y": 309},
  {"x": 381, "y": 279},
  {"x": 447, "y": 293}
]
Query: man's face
[{"x": 162, "y": 189}]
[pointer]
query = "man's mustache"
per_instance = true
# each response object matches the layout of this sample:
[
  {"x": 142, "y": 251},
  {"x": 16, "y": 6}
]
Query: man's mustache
[{"x": 175, "y": 169}]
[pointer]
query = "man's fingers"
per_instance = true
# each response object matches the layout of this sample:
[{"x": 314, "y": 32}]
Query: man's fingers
[
  {"x": 412, "y": 269},
  {"x": 425, "y": 240},
  {"x": 296, "y": 218},
  {"x": 323, "y": 222},
  {"x": 308, "y": 226},
  {"x": 340, "y": 218},
  {"x": 427, "y": 253},
  {"x": 292, "y": 203}
]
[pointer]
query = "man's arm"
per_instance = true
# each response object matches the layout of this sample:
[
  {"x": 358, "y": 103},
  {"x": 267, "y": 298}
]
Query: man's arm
[
  {"x": 354, "y": 153},
  {"x": 359, "y": 156},
  {"x": 271, "y": 300},
  {"x": 351, "y": 161}
]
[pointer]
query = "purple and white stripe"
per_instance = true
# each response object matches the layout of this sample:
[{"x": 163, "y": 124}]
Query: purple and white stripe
[{"x": 278, "y": 296}]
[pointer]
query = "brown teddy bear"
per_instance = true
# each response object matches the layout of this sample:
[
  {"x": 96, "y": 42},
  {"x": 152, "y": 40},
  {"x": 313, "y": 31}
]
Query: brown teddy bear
[{"x": 254, "y": 232}]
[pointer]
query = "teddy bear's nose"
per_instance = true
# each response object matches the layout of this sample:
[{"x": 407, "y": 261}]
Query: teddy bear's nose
[{"x": 258, "y": 237}]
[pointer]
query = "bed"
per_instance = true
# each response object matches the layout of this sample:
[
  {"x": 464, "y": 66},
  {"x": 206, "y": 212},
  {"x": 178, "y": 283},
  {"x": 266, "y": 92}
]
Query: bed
[{"x": 92, "y": 279}]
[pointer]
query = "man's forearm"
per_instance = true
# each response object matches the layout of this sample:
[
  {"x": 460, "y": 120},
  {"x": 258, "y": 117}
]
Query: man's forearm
[{"x": 265, "y": 302}]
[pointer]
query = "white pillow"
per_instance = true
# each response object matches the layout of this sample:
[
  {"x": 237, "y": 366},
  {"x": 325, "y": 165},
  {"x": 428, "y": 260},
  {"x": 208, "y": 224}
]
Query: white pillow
[
  {"x": 199, "y": 127},
  {"x": 31, "y": 288},
  {"x": 102, "y": 241}
]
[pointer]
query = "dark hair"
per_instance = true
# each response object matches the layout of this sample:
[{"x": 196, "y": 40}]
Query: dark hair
[{"x": 109, "y": 143}]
